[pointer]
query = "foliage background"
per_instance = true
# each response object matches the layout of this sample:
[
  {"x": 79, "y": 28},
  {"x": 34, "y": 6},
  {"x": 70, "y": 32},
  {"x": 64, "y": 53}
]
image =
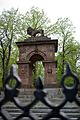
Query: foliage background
[{"x": 13, "y": 27}]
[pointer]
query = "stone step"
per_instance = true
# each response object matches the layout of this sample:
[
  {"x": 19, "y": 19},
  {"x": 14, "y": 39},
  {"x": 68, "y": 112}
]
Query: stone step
[
  {"x": 44, "y": 111},
  {"x": 41, "y": 114},
  {"x": 70, "y": 109},
  {"x": 39, "y": 118},
  {"x": 41, "y": 110}
]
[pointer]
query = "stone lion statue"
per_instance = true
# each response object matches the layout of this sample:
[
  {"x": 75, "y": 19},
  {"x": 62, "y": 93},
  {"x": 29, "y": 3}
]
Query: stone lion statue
[{"x": 34, "y": 32}]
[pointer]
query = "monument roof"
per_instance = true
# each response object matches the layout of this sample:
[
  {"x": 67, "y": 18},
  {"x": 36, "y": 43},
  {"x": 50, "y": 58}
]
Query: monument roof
[{"x": 38, "y": 40}]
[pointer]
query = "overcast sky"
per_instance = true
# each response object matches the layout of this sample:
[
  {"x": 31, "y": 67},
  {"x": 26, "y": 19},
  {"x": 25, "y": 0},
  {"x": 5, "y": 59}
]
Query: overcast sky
[{"x": 53, "y": 8}]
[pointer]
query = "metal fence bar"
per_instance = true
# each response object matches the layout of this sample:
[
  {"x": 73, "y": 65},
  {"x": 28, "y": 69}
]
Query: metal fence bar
[{"x": 11, "y": 94}]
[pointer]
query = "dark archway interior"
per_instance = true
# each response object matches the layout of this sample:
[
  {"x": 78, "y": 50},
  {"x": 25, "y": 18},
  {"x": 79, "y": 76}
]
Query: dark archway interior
[
  {"x": 36, "y": 57},
  {"x": 37, "y": 66}
]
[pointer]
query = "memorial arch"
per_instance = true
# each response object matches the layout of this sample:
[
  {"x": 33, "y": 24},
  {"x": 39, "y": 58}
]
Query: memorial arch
[{"x": 33, "y": 49}]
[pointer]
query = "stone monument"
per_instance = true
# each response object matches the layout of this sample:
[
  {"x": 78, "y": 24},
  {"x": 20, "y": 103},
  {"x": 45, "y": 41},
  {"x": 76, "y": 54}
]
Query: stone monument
[{"x": 37, "y": 48}]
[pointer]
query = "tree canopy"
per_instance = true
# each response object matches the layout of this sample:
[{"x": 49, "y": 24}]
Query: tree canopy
[
  {"x": 13, "y": 27},
  {"x": 8, "y": 33},
  {"x": 68, "y": 47}
]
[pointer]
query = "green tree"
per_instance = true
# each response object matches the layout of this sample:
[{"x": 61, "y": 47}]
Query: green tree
[
  {"x": 8, "y": 33},
  {"x": 68, "y": 47}
]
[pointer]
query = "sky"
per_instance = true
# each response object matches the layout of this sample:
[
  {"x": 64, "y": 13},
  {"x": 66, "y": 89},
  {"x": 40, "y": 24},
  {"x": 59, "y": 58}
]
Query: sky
[{"x": 54, "y": 9}]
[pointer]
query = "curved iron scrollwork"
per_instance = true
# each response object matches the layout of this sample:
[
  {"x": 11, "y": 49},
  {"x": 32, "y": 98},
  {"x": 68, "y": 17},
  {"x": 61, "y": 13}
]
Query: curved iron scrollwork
[{"x": 11, "y": 94}]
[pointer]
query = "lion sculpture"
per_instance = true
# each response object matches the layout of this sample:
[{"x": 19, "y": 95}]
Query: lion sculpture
[{"x": 34, "y": 32}]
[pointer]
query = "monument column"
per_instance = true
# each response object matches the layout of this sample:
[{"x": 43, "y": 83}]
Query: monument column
[
  {"x": 50, "y": 74},
  {"x": 24, "y": 73}
]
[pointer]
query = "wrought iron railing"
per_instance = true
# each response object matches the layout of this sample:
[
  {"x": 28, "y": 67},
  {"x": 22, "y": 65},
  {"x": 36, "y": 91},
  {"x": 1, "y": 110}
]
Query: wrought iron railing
[{"x": 11, "y": 94}]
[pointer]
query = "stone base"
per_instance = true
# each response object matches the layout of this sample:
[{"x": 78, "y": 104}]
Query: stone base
[
  {"x": 45, "y": 86},
  {"x": 52, "y": 93},
  {"x": 55, "y": 85},
  {"x": 26, "y": 86}
]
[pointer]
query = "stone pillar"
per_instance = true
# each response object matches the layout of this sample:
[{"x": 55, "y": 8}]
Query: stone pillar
[
  {"x": 24, "y": 73},
  {"x": 50, "y": 74}
]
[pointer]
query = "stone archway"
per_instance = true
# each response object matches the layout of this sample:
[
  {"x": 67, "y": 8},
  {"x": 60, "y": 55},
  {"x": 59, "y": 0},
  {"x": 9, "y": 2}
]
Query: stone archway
[
  {"x": 36, "y": 60},
  {"x": 35, "y": 49}
]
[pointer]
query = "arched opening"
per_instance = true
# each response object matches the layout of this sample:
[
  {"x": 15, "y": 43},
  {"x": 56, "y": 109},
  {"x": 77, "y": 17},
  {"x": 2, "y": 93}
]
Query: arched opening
[{"x": 36, "y": 67}]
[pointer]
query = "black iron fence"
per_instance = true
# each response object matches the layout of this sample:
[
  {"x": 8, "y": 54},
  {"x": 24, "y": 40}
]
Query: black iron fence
[{"x": 11, "y": 95}]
